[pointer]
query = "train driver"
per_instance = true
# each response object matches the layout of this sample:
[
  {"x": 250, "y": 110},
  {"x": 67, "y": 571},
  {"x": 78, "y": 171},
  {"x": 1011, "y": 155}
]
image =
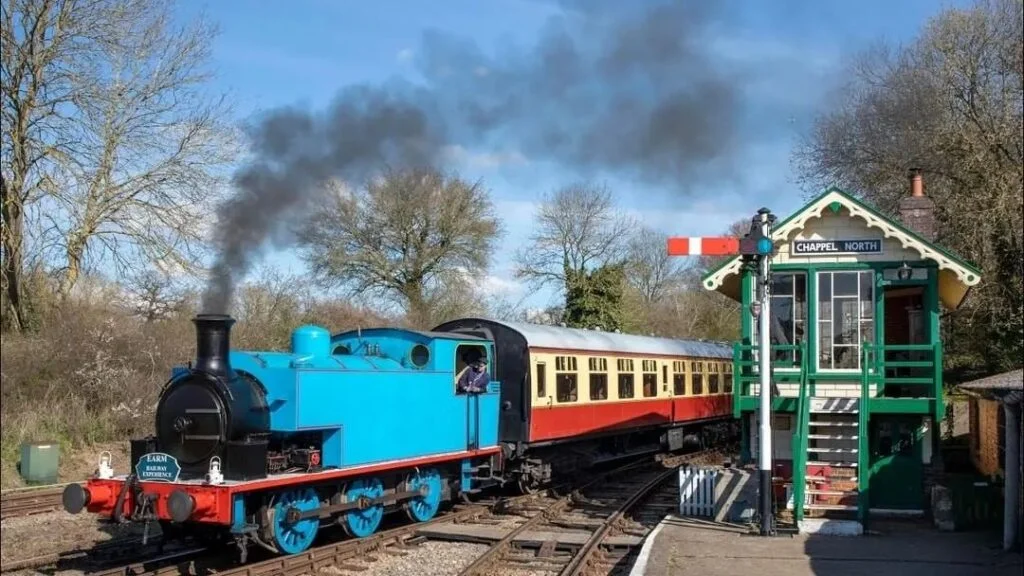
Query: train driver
[{"x": 474, "y": 378}]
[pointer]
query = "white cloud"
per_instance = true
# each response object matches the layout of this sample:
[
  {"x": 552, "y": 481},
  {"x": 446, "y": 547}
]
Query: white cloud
[
  {"x": 499, "y": 286},
  {"x": 404, "y": 55}
]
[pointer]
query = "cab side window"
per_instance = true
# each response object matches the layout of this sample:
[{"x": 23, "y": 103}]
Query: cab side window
[{"x": 466, "y": 355}]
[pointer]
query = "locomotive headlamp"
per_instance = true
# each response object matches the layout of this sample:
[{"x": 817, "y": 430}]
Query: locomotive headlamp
[
  {"x": 105, "y": 470},
  {"x": 214, "y": 476}
]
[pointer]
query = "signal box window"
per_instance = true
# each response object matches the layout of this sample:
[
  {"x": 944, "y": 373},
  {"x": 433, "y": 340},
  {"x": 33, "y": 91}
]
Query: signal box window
[
  {"x": 697, "y": 377},
  {"x": 566, "y": 383},
  {"x": 650, "y": 378},
  {"x": 541, "y": 380},
  {"x": 679, "y": 378},
  {"x": 712, "y": 377},
  {"x": 598, "y": 378},
  {"x": 625, "y": 378}
]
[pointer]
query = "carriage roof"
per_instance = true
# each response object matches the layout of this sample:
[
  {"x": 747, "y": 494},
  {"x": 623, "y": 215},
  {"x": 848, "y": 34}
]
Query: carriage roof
[{"x": 563, "y": 338}]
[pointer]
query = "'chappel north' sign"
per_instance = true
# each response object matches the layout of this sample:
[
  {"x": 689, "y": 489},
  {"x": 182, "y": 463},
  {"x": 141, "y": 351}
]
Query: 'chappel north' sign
[{"x": 811, "y": 247}]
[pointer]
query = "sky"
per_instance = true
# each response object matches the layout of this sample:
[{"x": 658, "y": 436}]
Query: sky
[{"x": 783, "y": 61}]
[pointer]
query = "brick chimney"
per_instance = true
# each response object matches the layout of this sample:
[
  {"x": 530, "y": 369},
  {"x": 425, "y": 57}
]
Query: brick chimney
[{"x": 917, "y": 210}]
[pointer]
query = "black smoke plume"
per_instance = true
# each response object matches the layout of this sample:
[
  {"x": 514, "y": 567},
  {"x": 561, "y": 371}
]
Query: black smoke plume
[{"x": 626, "y": 87}]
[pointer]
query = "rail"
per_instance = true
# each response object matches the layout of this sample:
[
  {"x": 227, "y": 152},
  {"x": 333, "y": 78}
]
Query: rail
[
  {"x": 33, "y": 500},
  {"x": 587, "y": 552},
  {"x": 487, "y": 558}
]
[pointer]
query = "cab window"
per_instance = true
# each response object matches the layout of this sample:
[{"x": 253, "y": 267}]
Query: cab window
[{"x": 466, "y": 354}]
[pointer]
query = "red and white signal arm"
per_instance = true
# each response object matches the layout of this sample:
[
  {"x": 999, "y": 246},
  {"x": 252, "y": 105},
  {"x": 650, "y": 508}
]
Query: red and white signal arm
[{"x": 704, "y": 246}]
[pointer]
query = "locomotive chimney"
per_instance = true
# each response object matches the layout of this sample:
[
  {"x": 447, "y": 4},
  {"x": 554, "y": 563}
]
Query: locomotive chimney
[{"x": 213, "y": 342}]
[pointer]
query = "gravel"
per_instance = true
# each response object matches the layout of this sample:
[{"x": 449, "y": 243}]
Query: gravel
[
  {"x": 427, "y": 559},
  {"x": 26, "y": 537}
]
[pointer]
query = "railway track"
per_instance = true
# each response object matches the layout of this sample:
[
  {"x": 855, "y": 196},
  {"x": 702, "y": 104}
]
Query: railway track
[
  {"x": 593, "y": 530},
  {"x": 130, "y": 558},
  {"x": 28, "y": 501}
]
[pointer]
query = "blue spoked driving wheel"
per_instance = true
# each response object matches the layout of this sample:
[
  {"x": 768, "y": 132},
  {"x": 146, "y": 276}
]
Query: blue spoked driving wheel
[
  {"x": 428, "y": 483},
  {"x": 362, "y": 522},
  {"x": 290, "y": 536}
]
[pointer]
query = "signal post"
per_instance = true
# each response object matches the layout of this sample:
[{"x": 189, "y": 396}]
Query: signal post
[{"x": 756, "y": 249}]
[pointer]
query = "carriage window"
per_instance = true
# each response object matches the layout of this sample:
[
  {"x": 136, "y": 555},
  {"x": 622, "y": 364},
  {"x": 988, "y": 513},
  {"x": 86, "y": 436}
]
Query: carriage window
[
  {"x": 712, "y": 377},
  {"x": 625, "y": 367},
  {"x": 650, "y": 378},
  {"x": 728, "y": 377},
  {"x": 565, "y": 387},
  {"x": 541, "y": 382},
  {"x": 598, "y": 386},
  {"x": 598, "y": 378},
  {"x": 679, "y": 378},
  {"x": 664, "y": 373},
  {"x": 566, "y": 383},
  {"x": 697, "y": 377},
  {"x": 565, "y": 363},
  {"x": 625, "y": 386}
]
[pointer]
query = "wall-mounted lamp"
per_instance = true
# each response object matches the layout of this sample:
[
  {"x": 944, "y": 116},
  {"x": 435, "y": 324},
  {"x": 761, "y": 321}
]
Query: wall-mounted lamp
[{"x": 905, "y": 272}]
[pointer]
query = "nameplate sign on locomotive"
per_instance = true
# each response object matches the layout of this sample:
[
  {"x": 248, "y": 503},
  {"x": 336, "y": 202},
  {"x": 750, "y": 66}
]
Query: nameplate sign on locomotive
[
  {"x": 863, "y": 246},
  {"x": 157, "y": 466}
]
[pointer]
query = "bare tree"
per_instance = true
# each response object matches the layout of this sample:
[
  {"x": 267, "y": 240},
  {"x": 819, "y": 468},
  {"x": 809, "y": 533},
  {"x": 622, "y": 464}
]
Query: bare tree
[
  {"x": 649, "y": 268},
  {"x": 578, "y": 229},
  {"x": 949, "y": 104},
  {"x": 115, "y": 144},
  {"x": 402, "y": 236},
  {"x": 153, "y": 295}
]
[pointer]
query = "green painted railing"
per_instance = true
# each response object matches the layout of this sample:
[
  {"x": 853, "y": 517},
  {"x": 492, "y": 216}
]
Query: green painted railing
[
  {"x": 800, "y": 445},
  {"x": 863, "y": 457},
  {"x": 904, "y": 366},
  {"x": 745, "y": 368}
]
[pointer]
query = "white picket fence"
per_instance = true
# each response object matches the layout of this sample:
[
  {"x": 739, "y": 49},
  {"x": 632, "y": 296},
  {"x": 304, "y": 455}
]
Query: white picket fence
[{"x": 697, "y": 491}]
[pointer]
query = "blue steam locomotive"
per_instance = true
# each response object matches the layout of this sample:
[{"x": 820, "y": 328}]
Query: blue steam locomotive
[{"x": 268, "y": 447}]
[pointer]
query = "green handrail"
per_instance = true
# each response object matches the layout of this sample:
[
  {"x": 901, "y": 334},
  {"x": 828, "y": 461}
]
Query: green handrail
[
  {"x": 800, "y": 441},
  {"x": 863, "y": 461}
]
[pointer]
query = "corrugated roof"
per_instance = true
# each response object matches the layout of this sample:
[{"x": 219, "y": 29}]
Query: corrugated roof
[
  {"x": 1012, "y": 380},
  {"x": 558, "y": 337}
]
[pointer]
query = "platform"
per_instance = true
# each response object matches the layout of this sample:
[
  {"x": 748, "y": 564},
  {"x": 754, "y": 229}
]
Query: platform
[{"x": 685, "y": 547}]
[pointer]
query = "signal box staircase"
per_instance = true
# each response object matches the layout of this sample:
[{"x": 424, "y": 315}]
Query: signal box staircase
[{"x": 832, "y": 457}]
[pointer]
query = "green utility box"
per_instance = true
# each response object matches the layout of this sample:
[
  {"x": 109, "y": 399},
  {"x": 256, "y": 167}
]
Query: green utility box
[{"x": 39, "y": 462}]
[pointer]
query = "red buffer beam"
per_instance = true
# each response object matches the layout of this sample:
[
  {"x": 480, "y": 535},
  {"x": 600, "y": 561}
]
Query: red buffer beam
[{"x": 704, "y": 246}]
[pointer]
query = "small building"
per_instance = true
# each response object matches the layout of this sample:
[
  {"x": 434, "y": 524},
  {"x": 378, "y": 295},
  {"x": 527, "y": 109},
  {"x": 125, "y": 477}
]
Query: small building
[
  {"x": 856, "y": 299},
  {"x": 995, "y": 441}
]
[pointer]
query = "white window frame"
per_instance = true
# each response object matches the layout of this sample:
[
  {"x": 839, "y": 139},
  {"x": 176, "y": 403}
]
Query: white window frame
[
  {"x": 755, "y": 324},
  {"x": 860, "y": 319}
]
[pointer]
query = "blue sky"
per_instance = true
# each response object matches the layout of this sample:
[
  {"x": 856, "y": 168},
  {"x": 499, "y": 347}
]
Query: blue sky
[{"x": 303, "y": 51}]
